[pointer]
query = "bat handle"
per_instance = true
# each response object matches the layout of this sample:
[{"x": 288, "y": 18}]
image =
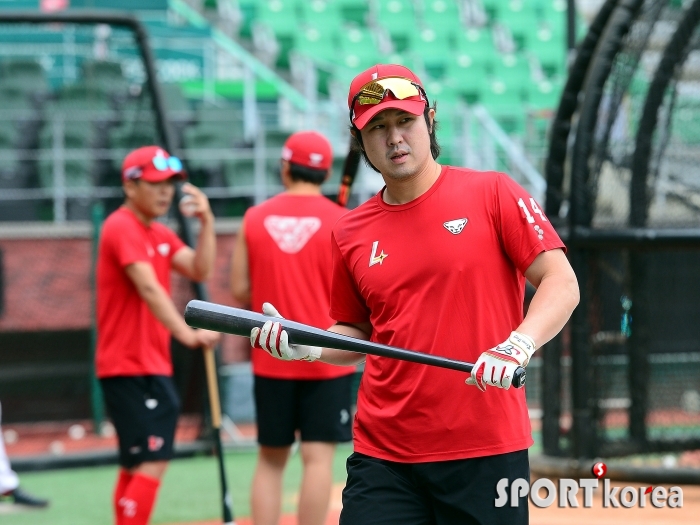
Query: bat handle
[
  {"x": 519, "y": 377},
  {"x": 213, "y": 386}
]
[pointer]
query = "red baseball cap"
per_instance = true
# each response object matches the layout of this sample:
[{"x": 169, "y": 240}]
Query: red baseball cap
[
  {"x": 152, "y": 164},
  {"x": 308, "y": 149},
  {"x": 362, "y": 113}
]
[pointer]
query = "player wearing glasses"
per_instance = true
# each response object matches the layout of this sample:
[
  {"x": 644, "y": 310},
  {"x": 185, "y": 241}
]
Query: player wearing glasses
[
  {"x": 435, "y": 262},
  {"x": 136, "y": 317}
]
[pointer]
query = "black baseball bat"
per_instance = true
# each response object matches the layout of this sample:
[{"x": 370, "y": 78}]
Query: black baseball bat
[
  {"x": 347, "y": 178},
  {"x": 236, "y": 321}
]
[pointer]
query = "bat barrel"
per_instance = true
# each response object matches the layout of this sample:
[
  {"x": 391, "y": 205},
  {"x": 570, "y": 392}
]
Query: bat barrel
[{"x": 236, "y": 321}]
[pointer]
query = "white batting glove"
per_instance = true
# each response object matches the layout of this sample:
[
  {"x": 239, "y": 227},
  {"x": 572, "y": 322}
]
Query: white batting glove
[
  {"x": 275, "y": 341},
  {"x": 496, "y": 366}
]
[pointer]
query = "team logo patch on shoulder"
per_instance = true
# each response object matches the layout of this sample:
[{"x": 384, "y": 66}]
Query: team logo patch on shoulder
[
  {"x": 164, "y": 249},
  {"x": 291, "y": 233},
  {"x": 456, "y": 226}
]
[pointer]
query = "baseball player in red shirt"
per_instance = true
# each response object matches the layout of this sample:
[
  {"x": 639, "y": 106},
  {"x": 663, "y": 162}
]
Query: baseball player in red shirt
[
  {"x": 283, "y": 255},
  {"x": 136, "y": 318},
  {"x": 435, "y": 262}
]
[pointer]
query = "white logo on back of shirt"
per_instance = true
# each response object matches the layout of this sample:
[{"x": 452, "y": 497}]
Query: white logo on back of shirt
[
  {"x": 164, "y": 249},
  {"x": 291, "y": 233},
  {"x": 456, "y": 226}
]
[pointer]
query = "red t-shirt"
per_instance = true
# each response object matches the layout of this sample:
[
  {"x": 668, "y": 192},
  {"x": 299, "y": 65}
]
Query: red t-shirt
[
  {"x": 130, "y": 340},
  {"x": 290, "y": 261},
  {"x": 442, "y": 274}
]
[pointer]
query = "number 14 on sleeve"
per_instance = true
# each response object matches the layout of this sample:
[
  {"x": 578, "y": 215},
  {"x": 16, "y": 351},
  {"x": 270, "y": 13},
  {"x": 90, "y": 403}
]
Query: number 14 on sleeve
[{"x": 535, "y": 209}]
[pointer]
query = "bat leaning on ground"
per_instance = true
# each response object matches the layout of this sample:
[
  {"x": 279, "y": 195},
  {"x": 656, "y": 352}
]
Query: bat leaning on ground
[
  {"x": 211, "y": 316},
  {"x": 215, "y": 407}
]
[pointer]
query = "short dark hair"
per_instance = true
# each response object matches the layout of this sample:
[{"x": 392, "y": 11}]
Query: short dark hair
[
  {"x": 356, "y": 142},
  {"x": 299, "y": 173}
]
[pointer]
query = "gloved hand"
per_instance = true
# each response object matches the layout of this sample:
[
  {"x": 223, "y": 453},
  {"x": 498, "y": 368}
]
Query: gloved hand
[
  {"x": 495, "y": 367},
  {"x": 274, "y": 340}
]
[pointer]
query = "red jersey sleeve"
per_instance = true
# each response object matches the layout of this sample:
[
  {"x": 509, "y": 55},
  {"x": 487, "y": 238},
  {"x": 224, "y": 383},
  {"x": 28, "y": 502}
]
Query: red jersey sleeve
[
  {"x": 126, "y": 247},
  {"x": 176, "y": 244},
  {"x": 524, "y": 229},
  {"x": 347, "y": 305}
]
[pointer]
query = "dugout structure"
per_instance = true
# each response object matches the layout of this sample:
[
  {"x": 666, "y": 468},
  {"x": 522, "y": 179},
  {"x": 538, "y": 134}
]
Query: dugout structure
[{"x": 624, "y": 191}]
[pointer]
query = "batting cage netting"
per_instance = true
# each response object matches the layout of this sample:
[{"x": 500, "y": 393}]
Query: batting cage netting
[{"x": 624, "y": 187}]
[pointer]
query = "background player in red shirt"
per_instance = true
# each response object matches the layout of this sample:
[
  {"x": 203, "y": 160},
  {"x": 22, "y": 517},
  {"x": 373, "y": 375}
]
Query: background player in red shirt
[
  {"x": 136, "y": 318},
  {"x": 283, "y": 255},
  {"x": 436, "y": 262}
]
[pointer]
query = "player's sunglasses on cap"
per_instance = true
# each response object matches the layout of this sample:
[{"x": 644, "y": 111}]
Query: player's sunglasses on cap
[
  {"x": 378, "y": 91},
  {"x": 172, "y": 163},
  {"x": 152, "y": 165}
]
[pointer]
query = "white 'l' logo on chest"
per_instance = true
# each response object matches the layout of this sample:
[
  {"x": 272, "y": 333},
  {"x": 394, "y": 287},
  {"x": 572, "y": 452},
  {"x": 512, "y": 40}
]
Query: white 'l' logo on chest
[{"x": 374, "y": 258}]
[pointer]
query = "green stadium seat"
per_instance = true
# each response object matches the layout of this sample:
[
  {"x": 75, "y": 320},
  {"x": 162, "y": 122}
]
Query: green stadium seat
[
  {"x": 510, "y": 8},
  {"x": 132, "y": 137},
  {"x": 398, "y": 19},
  {"x": 434, "y": 49},
  {"x": 544, "y": 95},
  {"x": 442, "y": 14},
  {"x": 82, "y": 96},
  {"x": 475, "y": 41},
  {"x": 506, "y": 105},
  {"x": 226, "y": 121},
  {"x": 77, "y": 141},
  {"x": 105, "y": 75},
  {"x": 321, "y": 13},
  {"x": 240, "y": 173},
  {"x": 522, "y": 26},
  {"x": 23, "y": 74},
  {"x": 177, "y": 106},
  {"x": 468, "y": 77},
  {"x": 278, "y": 15},
  {"x": 358, "y": 48},
  {"x": 275, "y": 139},
  {"x": 552, "y": 9},
  {"x": 317, "y": 42},
  {"x": 552, "y": 58},
  {"x": 198, "y": 140},
  {"x": 354, "y": 11},
  {"x": 513, "y": 69},
  {"x": 493, "y": 8},
  {"x": 249, "y": 11},
  {"x": 8, "y": 152}
]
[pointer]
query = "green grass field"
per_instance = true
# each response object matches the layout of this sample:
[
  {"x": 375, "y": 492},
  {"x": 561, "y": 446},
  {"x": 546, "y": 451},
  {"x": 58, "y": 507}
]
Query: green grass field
[{"x": 190, "y": 491}]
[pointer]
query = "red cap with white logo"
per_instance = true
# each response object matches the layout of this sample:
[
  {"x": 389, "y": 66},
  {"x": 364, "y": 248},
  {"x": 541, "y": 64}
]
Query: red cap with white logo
[{"x": 308, "y": 149}]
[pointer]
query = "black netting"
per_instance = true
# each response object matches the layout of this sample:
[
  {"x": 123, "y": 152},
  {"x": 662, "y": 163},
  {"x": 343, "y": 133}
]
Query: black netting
[{"x": 631, "y": 350}]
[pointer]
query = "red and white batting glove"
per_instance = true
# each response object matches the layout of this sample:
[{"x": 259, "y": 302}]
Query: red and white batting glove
[
  {"x": 275, "y": 341},
  {"x": 495, "y": 367}
]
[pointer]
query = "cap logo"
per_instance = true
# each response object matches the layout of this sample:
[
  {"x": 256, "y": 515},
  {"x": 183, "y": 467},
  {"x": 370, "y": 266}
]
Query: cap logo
[
  {"x": 132, "y": 173},
  {"x": 372, "y": 93},
  {"x": 315, "y": 158},
  {"x": 286, "y": 153}
]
